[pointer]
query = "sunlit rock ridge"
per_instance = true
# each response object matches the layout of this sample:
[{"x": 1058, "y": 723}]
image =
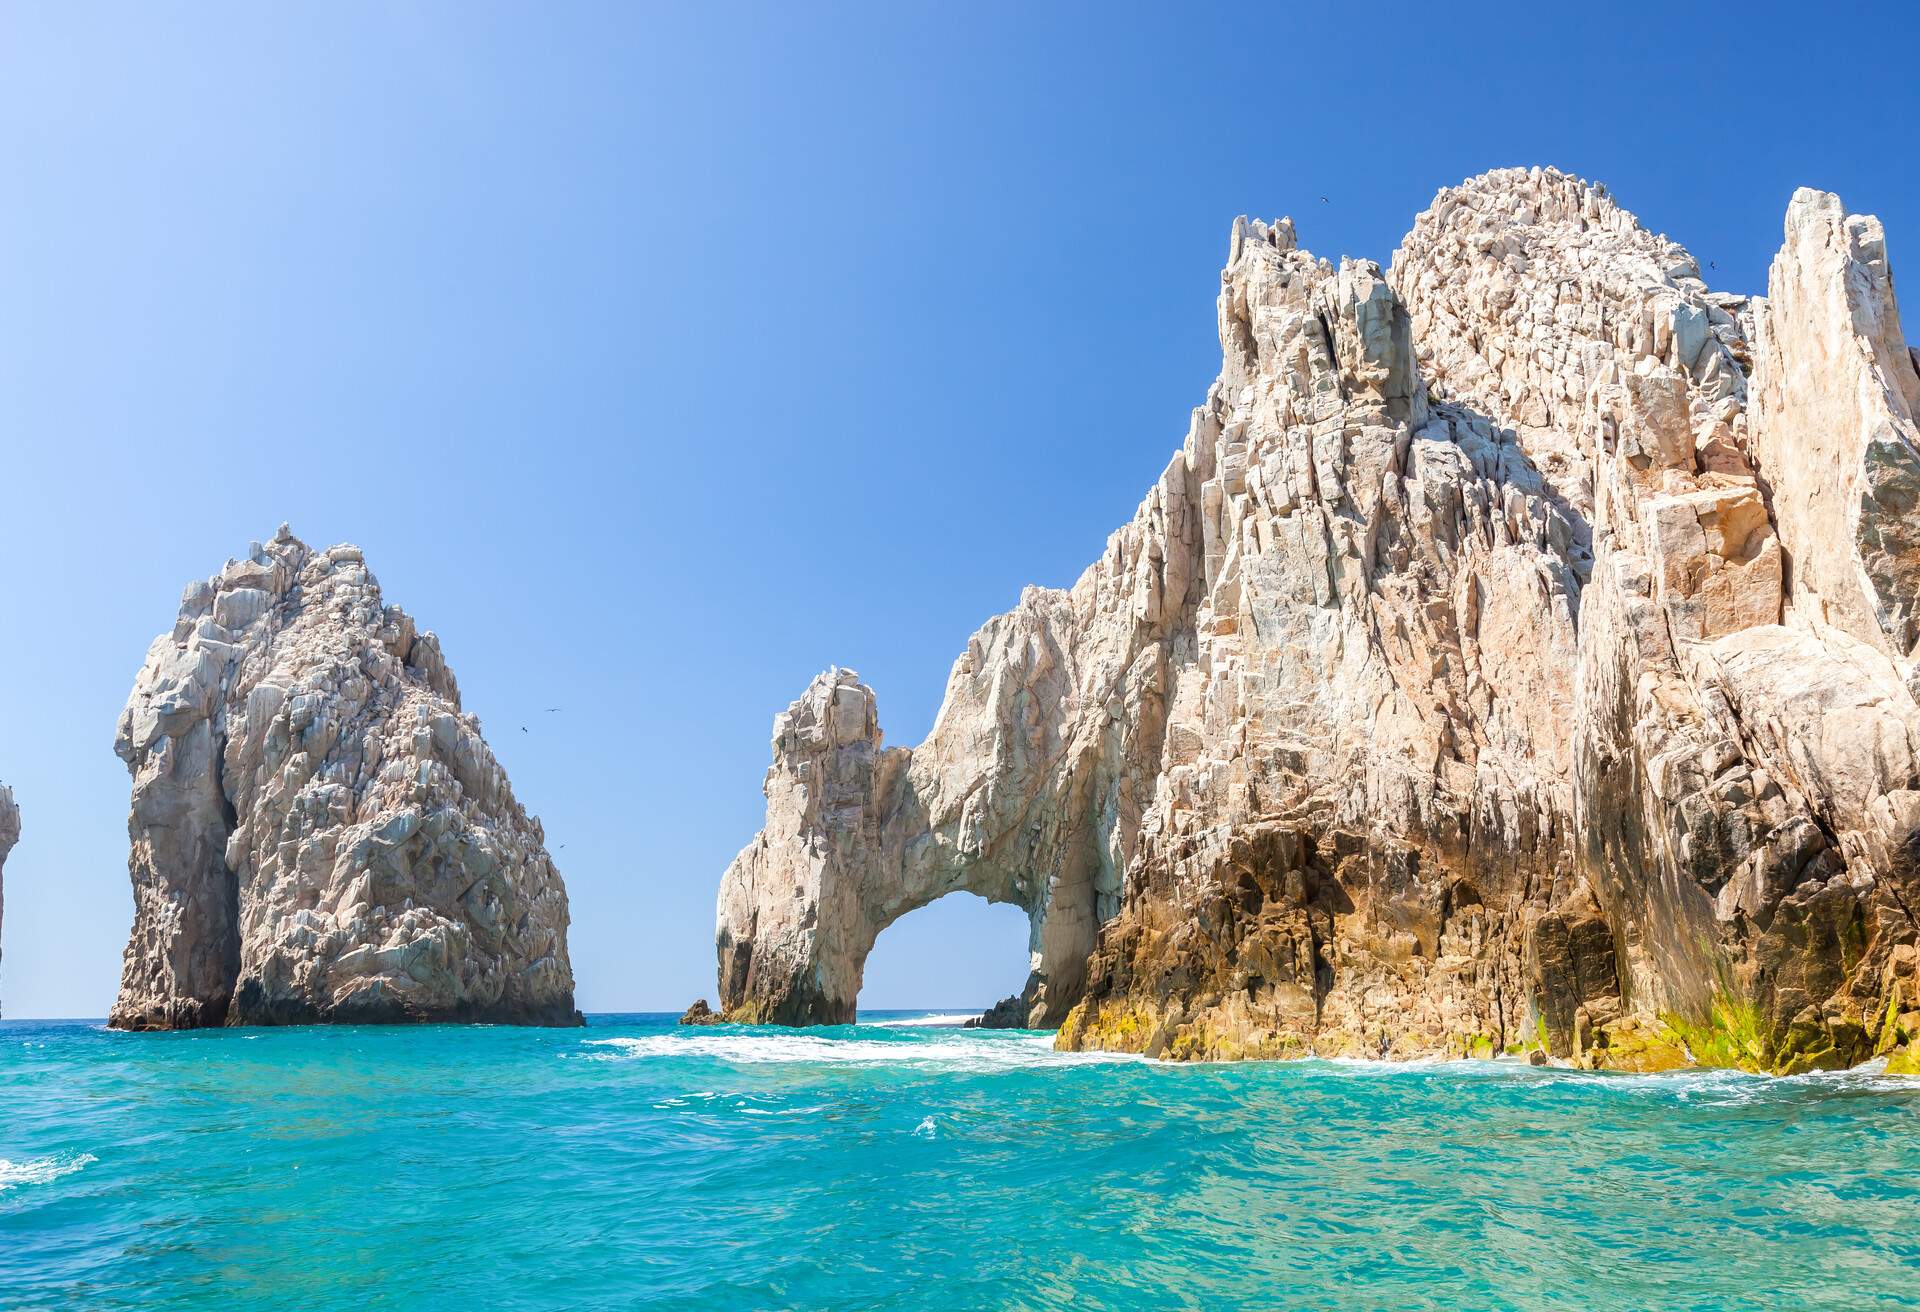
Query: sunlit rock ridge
[
  {"x": 1519, "y": 655},
  {"x": 319, "y": 833}
]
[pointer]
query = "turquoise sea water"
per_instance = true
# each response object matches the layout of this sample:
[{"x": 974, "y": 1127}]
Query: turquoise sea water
[{"x": 636, "y": 1164}]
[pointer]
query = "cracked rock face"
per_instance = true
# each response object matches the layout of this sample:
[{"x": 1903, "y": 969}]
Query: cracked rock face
[
  {"x": 9, "y": 835},
  {"x": 319, "y": 833},
  {"x": 1518, "y": 653}
]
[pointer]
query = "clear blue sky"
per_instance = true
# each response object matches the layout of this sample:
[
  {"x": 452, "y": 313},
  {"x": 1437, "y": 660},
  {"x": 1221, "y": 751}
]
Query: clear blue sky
[{"x": 660, "y": 357}]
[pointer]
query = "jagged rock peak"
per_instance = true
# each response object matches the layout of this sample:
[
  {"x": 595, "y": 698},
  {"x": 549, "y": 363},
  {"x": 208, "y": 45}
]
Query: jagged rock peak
[
  {"x": 318, "y": 832},
  {"x": 1836, "y": 400}
]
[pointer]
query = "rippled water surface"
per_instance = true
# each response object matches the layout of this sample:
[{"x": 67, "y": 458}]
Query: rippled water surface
[{"x": 912, "y": 1165}]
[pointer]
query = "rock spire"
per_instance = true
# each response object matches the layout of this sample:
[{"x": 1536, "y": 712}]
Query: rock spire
[{"x": 319, "y": 832}]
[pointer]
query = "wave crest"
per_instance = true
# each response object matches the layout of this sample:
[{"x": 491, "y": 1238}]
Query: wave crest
[
  {"x": 932, "y": 1020},
  {"x": 41, "y": 1170},
  {"x": 970, "y": 1054}
]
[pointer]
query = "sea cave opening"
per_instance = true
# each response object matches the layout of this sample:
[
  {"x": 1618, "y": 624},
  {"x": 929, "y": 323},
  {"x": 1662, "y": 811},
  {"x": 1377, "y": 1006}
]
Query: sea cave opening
[{"x": 953, "y": 958}]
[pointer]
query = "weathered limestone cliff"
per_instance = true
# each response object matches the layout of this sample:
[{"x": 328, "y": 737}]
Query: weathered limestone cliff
[
  {"x": 319, "y": 833},
  {"x": 1518, "y": 654},
  {"x": 9, "y": 835}
]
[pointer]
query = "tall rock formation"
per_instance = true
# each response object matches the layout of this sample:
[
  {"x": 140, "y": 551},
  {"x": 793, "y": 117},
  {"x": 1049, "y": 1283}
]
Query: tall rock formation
[
  {"x": 9, "y": 835},
  {"x": 1518, "y": 653},
  {"x": 319, "y": 833}
]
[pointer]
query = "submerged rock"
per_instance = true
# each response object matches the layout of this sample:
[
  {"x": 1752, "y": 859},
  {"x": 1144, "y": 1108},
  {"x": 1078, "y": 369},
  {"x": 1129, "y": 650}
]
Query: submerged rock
[
  {"x": 1008, "y": 1013},
  {"x": 1519, "y": 653},
  {"x": 700, "y": 1014},
  {"x": 9, "y": 835},
  {"x": 319, "y": 833}
]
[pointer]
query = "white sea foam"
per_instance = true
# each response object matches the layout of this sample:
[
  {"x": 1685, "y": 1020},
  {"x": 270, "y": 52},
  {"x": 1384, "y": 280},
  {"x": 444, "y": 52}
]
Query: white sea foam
[
  {"x": 1718, "y": 1087},
  {"x": 41, "y": 1170},
  {"x": 1688, "y": 1084},
  {"x": 782, "y": 1111},
  {"x": 992, "y": 1051},
  {"x": 1008, "y": 1052},
  {"x": 1742, "y": 1086},
  {"x": 1385, "y": 1065},
  {"x": 932, "y": 1020}
]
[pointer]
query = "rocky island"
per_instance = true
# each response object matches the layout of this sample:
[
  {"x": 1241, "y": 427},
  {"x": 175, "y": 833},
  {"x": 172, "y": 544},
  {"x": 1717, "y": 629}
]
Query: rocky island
[
  {"x": 319, "y": 832},
  {"x": 9, "y": 835},
  {"x": 1519, "y": 655}
]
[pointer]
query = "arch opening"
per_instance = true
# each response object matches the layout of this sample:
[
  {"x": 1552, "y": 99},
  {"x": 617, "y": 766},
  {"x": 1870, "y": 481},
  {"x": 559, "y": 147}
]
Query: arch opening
[{"x": 959, "y": 956}]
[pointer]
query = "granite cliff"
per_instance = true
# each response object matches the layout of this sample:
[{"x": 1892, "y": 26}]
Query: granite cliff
[
  {"x": 319, "y": 833},
  {"x": 1519, "y": 654}
]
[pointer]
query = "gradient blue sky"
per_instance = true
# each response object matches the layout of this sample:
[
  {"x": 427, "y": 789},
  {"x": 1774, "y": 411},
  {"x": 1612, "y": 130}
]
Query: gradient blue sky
[{"x": 659, "y": 357}]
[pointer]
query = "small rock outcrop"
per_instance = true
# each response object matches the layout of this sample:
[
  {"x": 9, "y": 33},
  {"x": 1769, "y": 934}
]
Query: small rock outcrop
[
  {"x": 1008, "y": 1013},
  {"x": 9, "y": 835},
  {"x": 1518, "y": 655},
  {"x": 319, "y": 833},
  {"x": 700, "y": 1013}
]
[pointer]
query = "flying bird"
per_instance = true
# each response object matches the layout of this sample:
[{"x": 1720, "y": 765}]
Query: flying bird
[
  {"x": 523, "y": 728},
  {"x": 552, "y": 709},
  {"x": 1323, "y": 200}
]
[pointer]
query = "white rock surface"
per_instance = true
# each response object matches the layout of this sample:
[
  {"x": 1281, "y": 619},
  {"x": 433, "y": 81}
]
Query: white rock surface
[
  {"x": 1836, "y": 392},
  {"x": 319, "y": 833},
  {"x": 1512, "y": 654}
]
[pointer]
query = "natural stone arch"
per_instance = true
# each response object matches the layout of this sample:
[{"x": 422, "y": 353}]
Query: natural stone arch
[{"x": 859, "y": 834}]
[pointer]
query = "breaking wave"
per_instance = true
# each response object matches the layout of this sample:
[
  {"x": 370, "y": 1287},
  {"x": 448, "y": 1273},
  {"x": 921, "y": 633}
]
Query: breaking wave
[
  {"x": 932, "y": 1020},
  {"x": 1000, "y": 1052},
  {"x": 1737, "y": 1088},
  {"x": 41, "y": 1170}
]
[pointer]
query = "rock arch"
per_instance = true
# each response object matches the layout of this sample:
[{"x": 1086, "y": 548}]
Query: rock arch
[{"x": 861, "y": 834}]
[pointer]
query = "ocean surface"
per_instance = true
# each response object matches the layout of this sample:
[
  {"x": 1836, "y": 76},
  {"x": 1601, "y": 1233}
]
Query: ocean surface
[{"x": 906, "y": 1163}]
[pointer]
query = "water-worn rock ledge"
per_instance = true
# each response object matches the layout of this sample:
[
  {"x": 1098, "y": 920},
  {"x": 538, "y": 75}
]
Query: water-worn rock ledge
[
  {"x": 1519, "y": 653},
  {"x": 319, "y": 833}
]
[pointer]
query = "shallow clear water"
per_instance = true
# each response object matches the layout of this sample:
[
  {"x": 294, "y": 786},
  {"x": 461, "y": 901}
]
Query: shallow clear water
[{"x": 639, "y": 1164}]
